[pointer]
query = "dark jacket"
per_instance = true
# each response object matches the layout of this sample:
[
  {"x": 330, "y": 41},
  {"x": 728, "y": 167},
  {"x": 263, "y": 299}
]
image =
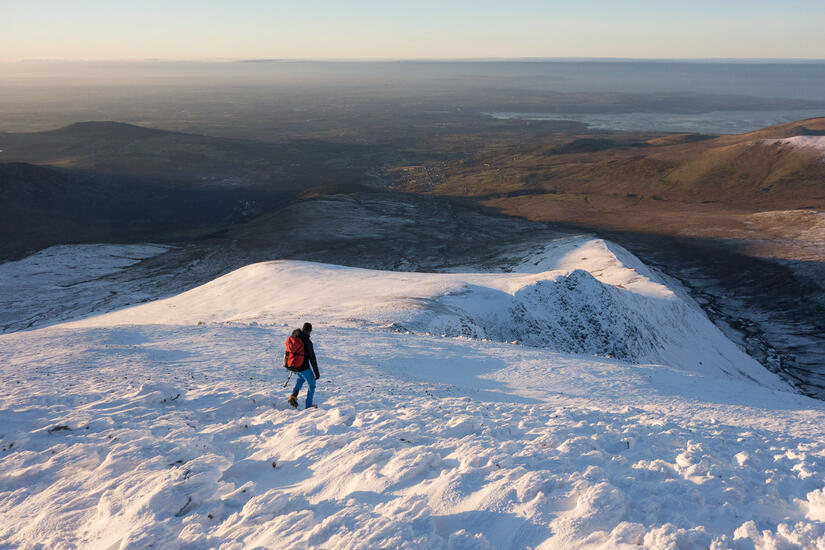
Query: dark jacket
[{"x": 309, "y": 354}]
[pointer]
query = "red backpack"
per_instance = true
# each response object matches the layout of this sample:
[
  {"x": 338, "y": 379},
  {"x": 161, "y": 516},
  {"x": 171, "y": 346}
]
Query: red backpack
[{"x": 294, "y": 352}]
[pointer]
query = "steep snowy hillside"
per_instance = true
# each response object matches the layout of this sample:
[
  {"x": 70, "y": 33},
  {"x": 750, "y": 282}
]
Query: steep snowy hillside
[{"x": 166, "y": 426}]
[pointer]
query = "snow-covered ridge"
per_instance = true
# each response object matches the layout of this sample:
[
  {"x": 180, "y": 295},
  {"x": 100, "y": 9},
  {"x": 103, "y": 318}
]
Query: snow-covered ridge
[{"x": 584, "y": 301}]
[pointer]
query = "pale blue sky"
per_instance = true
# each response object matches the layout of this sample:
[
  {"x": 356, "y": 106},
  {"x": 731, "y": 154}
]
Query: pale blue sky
[{"x": 209, "y": 29}]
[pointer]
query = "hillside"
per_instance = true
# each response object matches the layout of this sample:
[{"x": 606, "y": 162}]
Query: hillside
[
  {"x": 668, "y": 183},
  {"x": 117, "y": 150},
  {"x": 180, "y": 436},
  {"x": 112, "y": 182},
  {"x": 41, "y": 206},
  {"x": 36, "y": 204}
]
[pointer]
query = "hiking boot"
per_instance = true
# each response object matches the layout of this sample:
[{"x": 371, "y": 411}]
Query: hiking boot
[{"x": 293, "y": 401}]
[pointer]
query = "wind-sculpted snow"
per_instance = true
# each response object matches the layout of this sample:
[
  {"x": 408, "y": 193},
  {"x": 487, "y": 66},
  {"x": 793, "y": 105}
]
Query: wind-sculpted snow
[
  {"x": 164, "y": 436},
  {"x": 166, "y": 425}
]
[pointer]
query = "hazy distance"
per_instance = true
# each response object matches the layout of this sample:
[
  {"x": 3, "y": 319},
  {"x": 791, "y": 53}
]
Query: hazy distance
[
  {"x": 267, "y": 98},
  {"x": 366, "y": 29}
]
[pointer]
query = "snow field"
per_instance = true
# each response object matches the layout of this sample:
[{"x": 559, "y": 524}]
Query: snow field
[
  {"x": 180, "y": 437},
  {"x": 576, "y": 295}
]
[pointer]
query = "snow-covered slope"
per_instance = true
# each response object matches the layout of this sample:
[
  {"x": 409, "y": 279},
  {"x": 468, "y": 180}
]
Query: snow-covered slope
[
  {"x": 585, "y": 300},
  {"x": 815, "y": 143},
  {"x": 145, "y": 428},
  {"x": 64, "y": 282}
]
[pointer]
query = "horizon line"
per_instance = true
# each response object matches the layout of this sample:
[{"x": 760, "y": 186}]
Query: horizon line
[{"x": 526, "y": 59}]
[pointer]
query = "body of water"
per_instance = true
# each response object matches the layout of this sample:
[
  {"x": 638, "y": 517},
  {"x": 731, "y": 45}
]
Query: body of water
[{"x": 714, "y": 122}]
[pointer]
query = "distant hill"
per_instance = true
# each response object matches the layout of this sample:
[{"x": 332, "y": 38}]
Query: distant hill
[
  {"x": 106, "y": 129},
  {"x": 105, "y": 181},
  {"x": 747, "y": 169},
  {"x": 114, "y": 149},
  {"x": 650, "y": 183}
]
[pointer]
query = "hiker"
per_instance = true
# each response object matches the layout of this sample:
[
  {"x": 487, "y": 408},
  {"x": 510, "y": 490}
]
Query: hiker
[{"x": 298, "y": 357}]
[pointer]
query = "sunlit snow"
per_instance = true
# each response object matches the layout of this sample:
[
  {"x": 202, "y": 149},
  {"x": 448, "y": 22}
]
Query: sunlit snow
[
  {"x": 816, "y": 143},
  {"x": 166, "y": 424}
]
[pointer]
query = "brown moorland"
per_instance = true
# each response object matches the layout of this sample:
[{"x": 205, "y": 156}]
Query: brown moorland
[{"x": 687, "y": 184}]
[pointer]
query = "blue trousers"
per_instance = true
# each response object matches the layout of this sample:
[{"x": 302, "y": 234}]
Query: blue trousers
[{"x": 307, "y": 376}]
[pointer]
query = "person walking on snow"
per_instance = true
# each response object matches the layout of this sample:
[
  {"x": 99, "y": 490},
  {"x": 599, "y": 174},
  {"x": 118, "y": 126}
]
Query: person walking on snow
[{"x": 298, "y": 357}]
